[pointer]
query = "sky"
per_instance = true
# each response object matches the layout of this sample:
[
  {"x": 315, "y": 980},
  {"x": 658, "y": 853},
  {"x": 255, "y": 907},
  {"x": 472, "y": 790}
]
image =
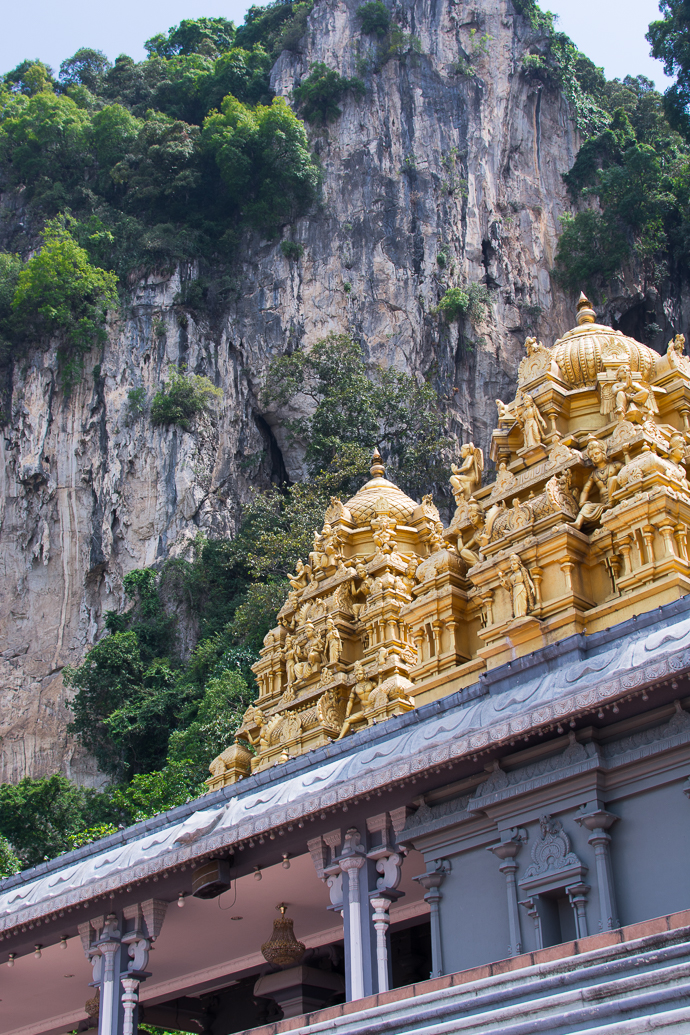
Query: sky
[{"x": 610, "y": 32}]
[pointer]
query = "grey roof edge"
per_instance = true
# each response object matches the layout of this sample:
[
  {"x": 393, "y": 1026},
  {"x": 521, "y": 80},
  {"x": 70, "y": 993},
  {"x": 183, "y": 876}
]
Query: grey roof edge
[{"x": 495, "y": 681}]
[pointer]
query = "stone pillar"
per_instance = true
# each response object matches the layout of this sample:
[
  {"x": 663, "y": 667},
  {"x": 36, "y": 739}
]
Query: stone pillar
[
  {"x": 432, "y": 881},
  {"x": 358, "y": 961},
  {"x": 388, "y": 858},
  {"x": 110, "y": 1016},
  {"x": 118, "y": 950},
  {"x": 599, "y": 822},
  {"x": 577, "y": 893},
  {"x": 506, "y": 852}
]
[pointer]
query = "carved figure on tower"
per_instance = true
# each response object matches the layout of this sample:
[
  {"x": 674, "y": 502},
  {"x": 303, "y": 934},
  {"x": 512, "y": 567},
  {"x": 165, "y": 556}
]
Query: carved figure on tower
[
  {"x": 468, "y": 476},
  {"x": 602, "y": 478},
  {"x": 520, "y": 586},
  {"x": 359, "y": 694},
  {"x": 530, "y": 420},
  {"x": 634, "y": 400}
]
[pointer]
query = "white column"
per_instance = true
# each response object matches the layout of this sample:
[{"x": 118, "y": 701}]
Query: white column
[
  {"x": 381, "y": 905},
  {"x": 130, "y": 1000},
  {"x": 109, "y": 1016},
  {"x": 351, "y": 865}
]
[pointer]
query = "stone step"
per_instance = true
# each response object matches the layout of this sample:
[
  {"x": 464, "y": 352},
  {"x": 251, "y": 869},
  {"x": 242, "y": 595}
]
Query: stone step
[{"x": 638, "y": 991}]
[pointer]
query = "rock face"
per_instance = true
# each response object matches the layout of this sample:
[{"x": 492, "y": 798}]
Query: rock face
[{"x": 432, "y": 179}]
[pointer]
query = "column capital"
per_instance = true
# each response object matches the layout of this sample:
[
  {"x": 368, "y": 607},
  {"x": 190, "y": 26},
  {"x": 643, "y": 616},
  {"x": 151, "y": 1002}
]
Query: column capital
[
  {"x": 433, "y": 879},
  {"x": 597, "y": 820}
]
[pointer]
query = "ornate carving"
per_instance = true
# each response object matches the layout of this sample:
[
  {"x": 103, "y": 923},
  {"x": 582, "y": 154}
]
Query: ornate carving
[
  {"x": 676, "y": 354},
  {"x": 552, "y": 851},
  {"x": 603, "y": 478},
  {"x": 537, "y": 361},
  {"x": 530, "y": 420},
  {"x": 520, "y": 586},
  {"x": 467, "y": 478}
]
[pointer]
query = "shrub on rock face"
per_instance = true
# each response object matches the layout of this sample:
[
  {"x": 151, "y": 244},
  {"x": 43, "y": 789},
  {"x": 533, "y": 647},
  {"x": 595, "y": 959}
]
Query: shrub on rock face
[
  {"x": 319, "y": 94},
  {"x": 374, "y": 18},
  {"x": 182, "y": 398}
]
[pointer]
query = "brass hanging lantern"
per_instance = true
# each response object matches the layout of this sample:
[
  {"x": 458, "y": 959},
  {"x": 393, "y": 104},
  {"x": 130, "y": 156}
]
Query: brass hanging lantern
[{"x": 282, "y": 948}]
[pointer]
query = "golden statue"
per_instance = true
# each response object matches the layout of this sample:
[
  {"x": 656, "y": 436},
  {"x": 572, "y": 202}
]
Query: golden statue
[
  {"x": 520, "y": 586},
  {"x": 531, "y": 421},
  {"x": 603, "y": 477},
  {"x": 334, "y": 643},
  {"x": 468, "y": 477},
  {"x": 676, "y": 351},
  {"x": 359, "y": 693},
  {"x": 634, "y": 400},
  {"x": 476, "y": 516}
]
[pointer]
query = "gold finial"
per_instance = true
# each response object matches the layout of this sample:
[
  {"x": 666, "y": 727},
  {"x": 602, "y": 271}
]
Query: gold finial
[
  {"x": 377, "y": 470},
  {"x": 585, "y": 313}
]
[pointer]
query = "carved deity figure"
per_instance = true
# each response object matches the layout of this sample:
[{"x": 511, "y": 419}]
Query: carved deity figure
[
  {"x": 520, "y": 586},
  {"x": 531, "y": 421},
  {"x": 291, "y": 655},
  {"x": 358, "y": 694},
  {"x": 299, "y": 580},
  {"x": 468, "y": 476},
  {"x": 603, "y": 478},
  {"x": 326, "y": 551},
  {"x": 334, "y": 643},
  {"x": 473, "y": 556},
  {"x": 676, "y": 352},
  {"x": 383, "y": 528},
  {"x": 634, "y": 400}
]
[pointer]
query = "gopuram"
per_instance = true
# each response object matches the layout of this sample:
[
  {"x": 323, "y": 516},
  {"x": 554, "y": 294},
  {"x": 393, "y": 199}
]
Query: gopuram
[{"x": 459, "y": 802}]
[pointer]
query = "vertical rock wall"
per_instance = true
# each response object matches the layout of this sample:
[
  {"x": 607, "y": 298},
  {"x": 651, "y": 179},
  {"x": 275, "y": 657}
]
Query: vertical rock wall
[{"x": 427, "y": 162}]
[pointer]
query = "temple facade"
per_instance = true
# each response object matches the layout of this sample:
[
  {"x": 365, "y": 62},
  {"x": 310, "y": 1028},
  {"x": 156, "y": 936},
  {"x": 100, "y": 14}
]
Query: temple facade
[{"x": 460, "y": 800}]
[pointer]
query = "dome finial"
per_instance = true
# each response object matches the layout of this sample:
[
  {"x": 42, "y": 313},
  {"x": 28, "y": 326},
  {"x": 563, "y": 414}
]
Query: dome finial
[
  {"x": 585, "y": 313},
  {"x": 377, "y": 470}
]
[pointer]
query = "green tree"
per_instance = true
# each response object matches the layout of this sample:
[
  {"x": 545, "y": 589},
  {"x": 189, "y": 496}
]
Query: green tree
[
  {"x": 38, "y": 817},
  {"x": 218, "y": 717},
  {"x": 319, "y": 94},
  {"x": 85, "y": 68},
  {"x": 209, "y": 36},
  {"x": 182, "y": 398},
  {"x": 374, "y": 18},
  {"x": 9, "y": 861},
  {"x": 357, "y": 406},
  {"x": 61, "y": 295},
  {"x": 670, "y": 40},
  {"x": 264, "y": 160},
  {"x": 30, "y": 78}
]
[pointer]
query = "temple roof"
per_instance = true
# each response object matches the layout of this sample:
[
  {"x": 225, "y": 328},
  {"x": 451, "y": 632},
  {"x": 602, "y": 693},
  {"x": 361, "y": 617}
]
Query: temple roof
[
  {"x": 363, "y": 507},
  {"x": 580, "y": 352}
]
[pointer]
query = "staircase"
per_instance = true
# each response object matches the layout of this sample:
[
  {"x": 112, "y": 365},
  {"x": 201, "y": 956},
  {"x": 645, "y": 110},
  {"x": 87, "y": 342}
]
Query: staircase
[{"x": 640, "y": 986}]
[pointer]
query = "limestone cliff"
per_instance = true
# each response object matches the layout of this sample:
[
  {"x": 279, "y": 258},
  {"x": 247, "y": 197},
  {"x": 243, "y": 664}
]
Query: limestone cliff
[{"x": 427, "y": 162}]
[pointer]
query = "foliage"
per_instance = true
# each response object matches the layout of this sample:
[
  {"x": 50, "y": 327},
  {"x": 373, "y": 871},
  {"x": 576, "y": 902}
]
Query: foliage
[
  {"x": 91, "y": 834},
  {"x": 374, "y": 18},
  {"x": 279, "y": 25},
  {"x": 291, "y": 250},
  {"x": 670, "y": 40},
  {"x": 182, "y": 398},
  {"x": 457, "y": 302},
  {"x": 637, "y": 170},
  {"x": 209, "y": 36},
  {"x": 318, "y": 95},
  {"x": 263, "y": 157},
  {"x": 358, "y": 406},
  {"x": 60, "y": 294},
  {"x": 9, "y": 861},
  {"x": 38, "y": 817},
  {"x": 218, "y": 717},
  {"x": 161, "y": 161},
  {"x": 136, "y": 401}
]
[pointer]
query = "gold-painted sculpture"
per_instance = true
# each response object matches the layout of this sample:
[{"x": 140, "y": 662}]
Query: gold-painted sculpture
[{"x": 585, "y": 524}]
